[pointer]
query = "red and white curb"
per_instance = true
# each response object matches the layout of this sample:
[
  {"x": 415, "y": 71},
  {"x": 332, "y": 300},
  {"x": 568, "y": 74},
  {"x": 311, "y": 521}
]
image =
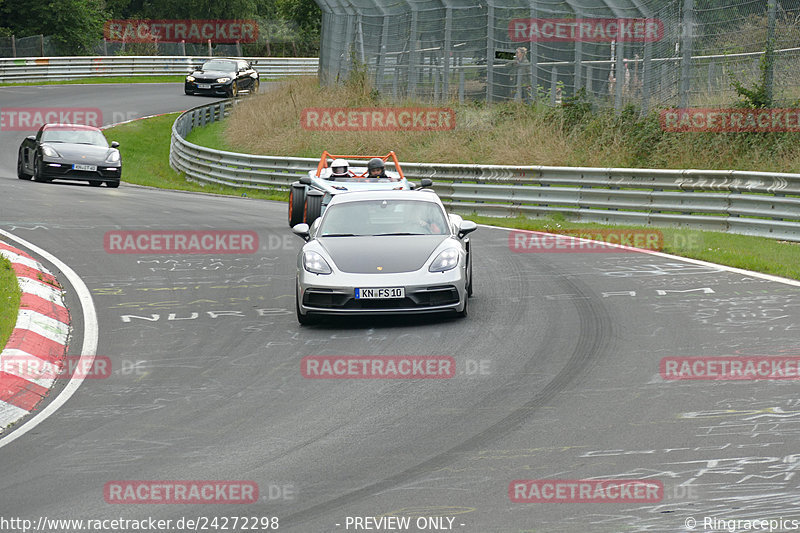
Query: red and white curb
[{"x": 37, "y": 347}]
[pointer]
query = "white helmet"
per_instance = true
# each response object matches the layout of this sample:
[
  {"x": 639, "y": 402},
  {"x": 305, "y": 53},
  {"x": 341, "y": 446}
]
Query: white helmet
[{"x": 339, "y": 167}]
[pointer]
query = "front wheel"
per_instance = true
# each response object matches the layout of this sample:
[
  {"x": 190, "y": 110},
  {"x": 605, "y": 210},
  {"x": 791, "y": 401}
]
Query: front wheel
[
  {"x": 297, "y": 201},
  {"x": 463, "y": 313},
  {"x": 304, "y": 320},
  {"x": 112, "y": 184},
  {"x": 469, "y": 286},
  {"x": 21, "y": 169},
  {"x": 37, "y": 170}
]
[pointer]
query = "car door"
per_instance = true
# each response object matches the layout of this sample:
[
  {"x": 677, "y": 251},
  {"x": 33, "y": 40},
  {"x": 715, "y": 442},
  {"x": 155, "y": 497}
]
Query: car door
[{"x": 243, "y": 76}]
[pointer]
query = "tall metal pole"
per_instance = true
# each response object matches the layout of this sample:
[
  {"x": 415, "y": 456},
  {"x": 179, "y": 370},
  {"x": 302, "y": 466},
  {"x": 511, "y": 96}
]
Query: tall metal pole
[
  {"x": 769, "y": 54},
  {"x": 686, "y": 60},
  {"x": 490, "y": 54}
]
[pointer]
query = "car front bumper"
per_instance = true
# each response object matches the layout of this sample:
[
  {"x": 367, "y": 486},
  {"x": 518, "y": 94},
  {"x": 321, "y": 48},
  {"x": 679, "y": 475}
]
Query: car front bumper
[
  {"x": 60, "y": 169},
  {"x": 425, "y": 292},
  {"x": 215, "y": 89}
]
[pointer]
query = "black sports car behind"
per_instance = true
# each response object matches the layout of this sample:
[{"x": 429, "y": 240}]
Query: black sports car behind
[
  {"x": 71, "y": 152},
  {"x": 222, "y": 77}
]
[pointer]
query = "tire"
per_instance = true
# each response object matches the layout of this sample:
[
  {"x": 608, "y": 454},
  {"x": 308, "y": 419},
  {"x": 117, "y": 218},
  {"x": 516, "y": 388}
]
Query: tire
[
  {"x": 469, "y": 286},
  {"x": 188, "y": 93},
  {"x": 304, "y": 320},
  {"x": 254, "y": 86},
  {"x": 297, "y": 201},
  {"x": 112, "y": 184},
  {"x": 21, "y": 168},
  {"x": 233, "y": 92},
  {"x": 37, "y": 171},
  {"x": 313, "y": 207},
  {"x": 95, "y": 183},
  {"x": 465, "y": 312}
]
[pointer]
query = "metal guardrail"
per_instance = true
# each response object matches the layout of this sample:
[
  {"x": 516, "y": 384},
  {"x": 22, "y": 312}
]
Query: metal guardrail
[
  {"x": 62, "y": 68},
  {"x": 764, "y": 204}
]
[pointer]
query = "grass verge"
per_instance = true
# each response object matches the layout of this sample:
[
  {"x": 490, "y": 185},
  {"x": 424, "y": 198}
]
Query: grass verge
[
  {"x": 779, "y": 258},
  {"x": 144, "y": 145},
  {"x": 95, "y": 80},
  {"x": 9, "y": 300}
]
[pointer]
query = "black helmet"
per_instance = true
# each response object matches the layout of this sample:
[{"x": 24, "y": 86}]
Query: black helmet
[{"x": 375, "y": 162}]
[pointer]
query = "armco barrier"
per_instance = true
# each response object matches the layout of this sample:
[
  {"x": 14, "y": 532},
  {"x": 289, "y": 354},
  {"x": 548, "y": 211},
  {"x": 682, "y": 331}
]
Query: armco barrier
[
  {"x": 61, "y": 68},
  {"x": 751, "y": 203}
]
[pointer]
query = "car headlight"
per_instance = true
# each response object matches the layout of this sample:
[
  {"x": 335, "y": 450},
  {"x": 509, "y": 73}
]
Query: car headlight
[
  {"x": 446, "y": 260},
  {"x": 223, "y": 80},
  {"x": 315, "y": 263},
  {"x": 113, "y": 157},
  {"x": 49, "y": 151},
  {"x": 189, "y": 78}
]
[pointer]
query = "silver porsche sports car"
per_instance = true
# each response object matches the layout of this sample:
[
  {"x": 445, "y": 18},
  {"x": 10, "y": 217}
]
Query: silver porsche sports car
[{"x": 384, "y": 252}]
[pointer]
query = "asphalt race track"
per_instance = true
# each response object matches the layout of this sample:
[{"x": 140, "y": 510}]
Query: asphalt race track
[{"x": 557, "y": 375}]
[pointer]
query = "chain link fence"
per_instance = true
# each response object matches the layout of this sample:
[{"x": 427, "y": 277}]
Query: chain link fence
[{"x": 651, "y": 53}]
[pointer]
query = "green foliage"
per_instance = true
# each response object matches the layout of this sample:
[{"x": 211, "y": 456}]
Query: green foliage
[
  {"x": 757, "y": 96},
  {"x": 576, "y": 108},
  {"x": 75, "y": 25}
]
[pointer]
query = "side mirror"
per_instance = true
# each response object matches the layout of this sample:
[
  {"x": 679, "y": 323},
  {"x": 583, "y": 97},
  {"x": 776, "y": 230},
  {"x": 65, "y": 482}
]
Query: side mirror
[
  {"x": 305, "y": 180},
  {"x": 466, "y": 226},
  {"x": 425, "y": 182},
  {"x": 114, "y": 144},
  {"x": 301, "y": 230}
]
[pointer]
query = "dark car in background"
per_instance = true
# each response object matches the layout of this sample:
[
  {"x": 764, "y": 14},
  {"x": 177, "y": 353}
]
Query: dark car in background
[
  {"x": 71, "y": 152},
  {"x": 222, "y": 77}
]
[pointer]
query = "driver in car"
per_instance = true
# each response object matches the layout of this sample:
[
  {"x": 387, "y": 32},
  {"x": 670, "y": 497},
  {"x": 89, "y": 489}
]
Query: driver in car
[
  {"x": 376, "y": 168},
  {"x": 339, "y": 169}
]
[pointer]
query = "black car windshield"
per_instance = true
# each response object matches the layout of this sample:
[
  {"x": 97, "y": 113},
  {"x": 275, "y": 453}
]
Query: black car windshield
[
  {"x": 220, "y": 66},
  {"x": 383, "y": 217},
  {"x": 75, "y": 137}
]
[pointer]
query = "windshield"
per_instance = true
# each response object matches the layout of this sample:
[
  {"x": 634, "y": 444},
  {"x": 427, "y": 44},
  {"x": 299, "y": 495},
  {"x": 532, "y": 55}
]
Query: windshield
[
  {"x": 224, "y": 66},
  {"x": 75, "y": 137},
  {"x": 383, "y": 217}
]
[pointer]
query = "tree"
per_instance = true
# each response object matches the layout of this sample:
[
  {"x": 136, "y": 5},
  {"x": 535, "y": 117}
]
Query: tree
[{"x": 75, "y": 25}]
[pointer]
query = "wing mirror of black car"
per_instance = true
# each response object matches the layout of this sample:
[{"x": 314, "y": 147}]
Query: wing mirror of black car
[
  {"x": 466, "y": 226},
  {"x": 305, "y": 180},
  {"x": 114, "y": 144},
  {"x": 425, "y": 182},
  {"x": 301, "y": 230},
  {"x": 31, "y": 137}
]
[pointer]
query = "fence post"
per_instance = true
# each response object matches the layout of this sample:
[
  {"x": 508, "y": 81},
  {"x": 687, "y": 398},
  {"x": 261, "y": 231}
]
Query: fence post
[
  {"x": 686, "y": 60},
  {"x": 183, "y": 48},
  {"x": 490, "y": 53},
  {"x": 41, "y": 45},
  {"x": 448, "y": 53},
  {"x": 619, "y": 74},
  {"x": 647, "y": 74},
  {"x": 13, "y": 46},
  {"x": 769, "y": 54},
  {"x": 553, "y": 85},
  {"x": 210, "y": 54}
]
